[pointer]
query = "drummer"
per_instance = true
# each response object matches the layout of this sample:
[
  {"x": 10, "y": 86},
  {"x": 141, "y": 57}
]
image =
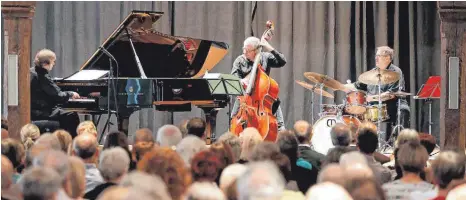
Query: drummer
[{"x": 383, "y": 61}]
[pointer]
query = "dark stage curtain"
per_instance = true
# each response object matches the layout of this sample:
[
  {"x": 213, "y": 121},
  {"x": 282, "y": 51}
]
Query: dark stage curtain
[{"x": 333, "y": 38}]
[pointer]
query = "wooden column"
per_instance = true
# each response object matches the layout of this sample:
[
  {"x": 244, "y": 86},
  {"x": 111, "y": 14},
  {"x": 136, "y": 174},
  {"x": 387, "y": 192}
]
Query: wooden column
[
  {"x": 18, "y": 25},
  {"x": 453, "y": 35}
]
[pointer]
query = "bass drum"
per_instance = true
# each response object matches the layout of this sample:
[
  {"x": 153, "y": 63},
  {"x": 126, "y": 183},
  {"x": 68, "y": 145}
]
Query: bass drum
[{"x": 321, "y": 139}]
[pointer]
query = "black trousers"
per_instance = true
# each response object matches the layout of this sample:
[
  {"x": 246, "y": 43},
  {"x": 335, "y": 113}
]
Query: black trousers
[{"x": 69, "y": 121}]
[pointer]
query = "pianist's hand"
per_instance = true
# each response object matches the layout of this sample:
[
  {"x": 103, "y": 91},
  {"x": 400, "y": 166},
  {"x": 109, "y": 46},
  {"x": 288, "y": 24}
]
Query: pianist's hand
[{"x": 75, "y": 96}]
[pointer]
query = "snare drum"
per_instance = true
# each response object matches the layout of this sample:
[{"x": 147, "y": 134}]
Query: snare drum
[
  {"x": 321, "y": 139},
  {"x": 328, "y": 109},
  {"x": 356, "y": 102},
  {"x": 372, "y": 113}
]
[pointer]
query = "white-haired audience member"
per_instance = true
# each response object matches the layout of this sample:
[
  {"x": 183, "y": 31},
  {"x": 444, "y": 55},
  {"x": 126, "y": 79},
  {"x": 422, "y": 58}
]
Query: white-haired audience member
[
  {"x": 352, "y": 157},
  {"x": 458, "y": 193},
  {"x": 306, "y": 152},
  {"x": 40, "y": 183},
  {"x": 113, "y": 165},
  {"x": 49, "y": 140},
  {"x": 327, "y": 191},
  {"x": 151, "y": 184},
  {"x": 58, "y": 161},
  {"x": 168, "y": 136},
  {"x": 262, "y": 180},
  {"x": 230, "y": 174},
  {"x": 234, "y": 143},
  {"x": 249, "y": 138},
  {"x": 190, "y": 146},
  {"x": 77, "y": 177},
  {"x": 204, "y": 191},
  {"x": 85, "y": 146}
]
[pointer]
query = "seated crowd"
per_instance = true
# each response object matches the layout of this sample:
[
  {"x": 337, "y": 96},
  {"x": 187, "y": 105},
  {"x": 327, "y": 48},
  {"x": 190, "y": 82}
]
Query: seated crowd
[{"x": 174, "y": 163}]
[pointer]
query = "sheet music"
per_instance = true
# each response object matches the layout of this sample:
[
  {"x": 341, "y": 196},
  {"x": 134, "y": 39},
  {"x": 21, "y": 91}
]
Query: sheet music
[{"x": 85, "y": 75}]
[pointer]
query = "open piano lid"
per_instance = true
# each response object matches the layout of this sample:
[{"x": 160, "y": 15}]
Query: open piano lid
[{"x": 161, "y": 55}]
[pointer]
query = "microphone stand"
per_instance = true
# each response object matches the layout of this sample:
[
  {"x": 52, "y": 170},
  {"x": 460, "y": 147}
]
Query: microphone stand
[{"x": 110, "y": 86}]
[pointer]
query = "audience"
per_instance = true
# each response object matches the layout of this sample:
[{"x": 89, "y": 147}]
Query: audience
[
  {"x": 168, "y": 136},
  {"x": 170, "y": 167},
  {"x": 77, "y": 176},
  {"x": 412, "y": 158},
  {"x": 85, "y": 146},
  {"x": 29, "y": 134},
  {"x": 40, "y": 183},
  {"x": 196, "y": 126},
  {"x": 234, "y": 142},
  {"x": 177, "y": 164},
  {"x": 367, "y": 143},
  {"x": 64, "y": 138},
  {"x": 301, "y": 129},
  {"x": 183, "y": 126},
  {"x": 113, "y": 165},
  {"x": 188, "y": 147}
]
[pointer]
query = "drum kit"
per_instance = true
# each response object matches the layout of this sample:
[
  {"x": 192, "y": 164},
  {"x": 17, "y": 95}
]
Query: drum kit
[{"x": 355, "y": 108}]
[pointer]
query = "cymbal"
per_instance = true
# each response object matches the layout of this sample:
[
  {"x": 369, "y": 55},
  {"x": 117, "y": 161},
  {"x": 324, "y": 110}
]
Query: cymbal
[
  {"x": 371, "y": 77},
  {"x": 324, "y": 79},
  {"x": 316, "y": 90},
  {"x": 401, "y": 94}
]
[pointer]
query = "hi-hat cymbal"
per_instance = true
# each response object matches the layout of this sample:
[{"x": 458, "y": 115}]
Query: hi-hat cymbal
[
  {"x": 401, "y": 94},
  {"x": 316, "y": 90},
  {"x": 372, "y": 77},
  {"x": 324, "y": 79}
]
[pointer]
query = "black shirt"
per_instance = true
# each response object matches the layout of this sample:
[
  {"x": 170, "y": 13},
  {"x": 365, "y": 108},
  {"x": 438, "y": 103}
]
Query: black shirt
[
  {"x": 242, "y": 66},
  {"x": 94, "y": 193},
  {"x": 45, "y": 94}
]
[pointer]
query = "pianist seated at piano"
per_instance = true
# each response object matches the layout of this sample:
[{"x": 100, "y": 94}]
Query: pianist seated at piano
[{"x": 46, "y": 95}]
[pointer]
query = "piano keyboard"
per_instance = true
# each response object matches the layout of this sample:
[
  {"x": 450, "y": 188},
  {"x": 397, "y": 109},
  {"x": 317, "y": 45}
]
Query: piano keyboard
[{"x": 82, "y": 100}]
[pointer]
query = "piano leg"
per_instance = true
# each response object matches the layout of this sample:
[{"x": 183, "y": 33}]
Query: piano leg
[
  {"x": 123, "y": 124},
  {"x": 211, "y": 117}
]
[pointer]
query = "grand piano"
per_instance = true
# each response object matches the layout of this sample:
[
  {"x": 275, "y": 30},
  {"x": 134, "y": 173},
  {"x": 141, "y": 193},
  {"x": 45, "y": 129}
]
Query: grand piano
[{"x": 138, "y": 67}]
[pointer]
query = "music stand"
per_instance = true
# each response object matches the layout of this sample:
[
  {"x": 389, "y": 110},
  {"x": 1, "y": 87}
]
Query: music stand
[{"x": 429, "y": 91}]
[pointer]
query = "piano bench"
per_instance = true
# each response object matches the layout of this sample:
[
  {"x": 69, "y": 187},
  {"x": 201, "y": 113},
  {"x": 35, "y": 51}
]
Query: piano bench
[{"x": 46, "y": 125}]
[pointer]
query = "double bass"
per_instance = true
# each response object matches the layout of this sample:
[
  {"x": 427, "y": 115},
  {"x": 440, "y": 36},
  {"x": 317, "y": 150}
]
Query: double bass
[{"x": 255, "y": 108}]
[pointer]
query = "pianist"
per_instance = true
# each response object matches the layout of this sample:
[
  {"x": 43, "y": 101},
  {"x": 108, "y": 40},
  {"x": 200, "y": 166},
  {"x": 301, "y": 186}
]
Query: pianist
[{"x": 45, "y": 94}]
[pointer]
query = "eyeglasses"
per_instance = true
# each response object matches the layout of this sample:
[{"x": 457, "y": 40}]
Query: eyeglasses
[{"x": 380, "y": 55}]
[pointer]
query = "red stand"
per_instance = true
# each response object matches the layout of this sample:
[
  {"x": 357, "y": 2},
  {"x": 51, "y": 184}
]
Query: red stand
[{"x": 430, "y": 90}]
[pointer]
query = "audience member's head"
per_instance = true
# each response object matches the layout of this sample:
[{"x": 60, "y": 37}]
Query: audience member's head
[
  {"x": 168, "y": 136},
  {"x": 140, "y": 148},
  {"x": 50, "y": 141},
  {"x": 358, "y": 171},
  {"x": 340, "y": 134},
  {"x": 353, "y": 157},
  {"x": 365, "y": 189},
  {"x": 5, "y": 134},
  {"x": 234, "y": 143},
  {"x": 7, "y": 173},
  {"x": 86, "y": 127},
  {"x": 65, "y": 139},
  {"x": 29, "y": 134},
  {"x": 230, "y": 174},
  {"x": 151, "y": 184},
  {"x": 113, "y": 164},
  {"x": 458, "y": 193},
  {"x": 405, "y": 136},
  {"x": 33, "y": 152},
  {"x": 196, "y": 126},
  {"x": 332, "y": 173},
  {"x": 204, "y": 191},
  {"x": 206, "y": 166},
  {"x": 288, "y": 144},
  {"x": 322, "y": 191},
  {"x": 224, "y": 152},
  {"x": 170, "y": 167},
  {"x": 269, "y": 151},
  {"x": 249, "y": 138},
  {"x": 301, "y": 128},
  {"x": 188, "y": 147},
  {"x": 412, "y": 157},
  {"x": 428, "y": 141},
  {"x": 143, "y": 135},
  {"x": 262, "y": 180},
  {"x": 334, "y": 154},
  {"x": 448, "y": 166},
  {"x": 117, "y": 139},
  {"x": 77, "y": 177},
  {"x": 183, "y": 126},
  {"x": 367, "y": 140},
  {"x": 116, "y": 193},
  {"x": 14, "y": 151},
  {"x": 40, "y": 183},
  {"x": 85, "y": 146},
  {"x": 56, "y": 160}
]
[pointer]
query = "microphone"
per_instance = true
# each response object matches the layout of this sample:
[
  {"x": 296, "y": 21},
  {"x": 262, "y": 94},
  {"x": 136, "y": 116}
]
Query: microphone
[{"x": 107, "y": 53}]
